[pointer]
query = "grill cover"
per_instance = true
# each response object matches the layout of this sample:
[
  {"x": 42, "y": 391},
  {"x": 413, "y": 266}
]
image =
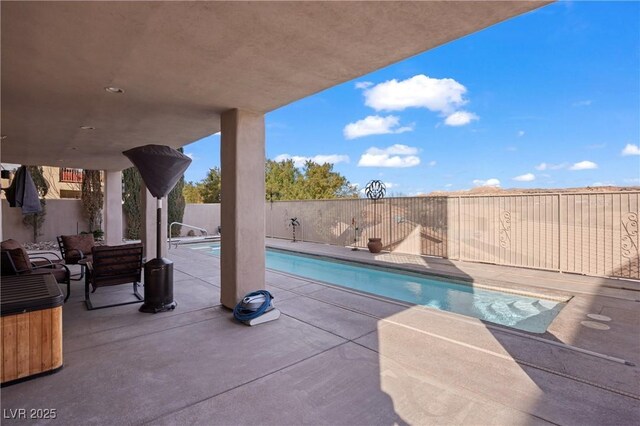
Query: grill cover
[{"x": 160, "y": 167}]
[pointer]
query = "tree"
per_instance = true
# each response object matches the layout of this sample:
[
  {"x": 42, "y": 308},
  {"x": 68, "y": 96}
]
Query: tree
[
  {"x": 209, "y": 187},
  {"x": 92, "y": 198},
  {"x": 321, "y": 182},
  {"x": 175, "y": 205},
  {"x": 132, "y": 203},
  {"x": 282, "y": 180},
  {"x": 36, "y": 220},
  {"x": 191, "y": 192}
]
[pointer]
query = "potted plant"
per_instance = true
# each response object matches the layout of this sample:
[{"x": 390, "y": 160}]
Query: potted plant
[{"x": 375, "y": 190}]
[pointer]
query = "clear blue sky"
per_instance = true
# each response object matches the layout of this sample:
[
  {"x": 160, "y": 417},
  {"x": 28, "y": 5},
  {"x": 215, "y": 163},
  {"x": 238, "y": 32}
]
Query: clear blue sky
[{"x": 549, "y": 99}]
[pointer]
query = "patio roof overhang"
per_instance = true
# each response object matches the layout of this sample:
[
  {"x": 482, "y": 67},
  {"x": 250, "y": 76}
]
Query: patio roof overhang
[{"x": 182, "y": 64}]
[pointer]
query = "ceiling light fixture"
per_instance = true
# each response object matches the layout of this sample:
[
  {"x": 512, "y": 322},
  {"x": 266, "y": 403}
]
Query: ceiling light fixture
[
  {"x": 87, "y": 127},
  {"x": 112, "y": 89}
]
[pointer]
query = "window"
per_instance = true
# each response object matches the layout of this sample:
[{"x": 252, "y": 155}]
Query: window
[{"x": 70, "y": 175}]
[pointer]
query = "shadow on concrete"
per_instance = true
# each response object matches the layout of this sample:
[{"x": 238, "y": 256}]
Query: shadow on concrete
[{"x": 556, "y": 383}]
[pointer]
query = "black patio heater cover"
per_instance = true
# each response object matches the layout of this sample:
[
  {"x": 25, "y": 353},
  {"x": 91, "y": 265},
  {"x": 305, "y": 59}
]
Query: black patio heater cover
[{"x": 160, "y": 167}]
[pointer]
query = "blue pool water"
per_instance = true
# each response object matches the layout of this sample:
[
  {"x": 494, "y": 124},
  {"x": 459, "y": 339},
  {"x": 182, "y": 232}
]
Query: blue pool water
[{"x": 513, "y": 310}]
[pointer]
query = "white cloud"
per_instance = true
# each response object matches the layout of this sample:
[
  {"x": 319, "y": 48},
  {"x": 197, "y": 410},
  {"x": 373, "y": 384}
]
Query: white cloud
[
  {"x": 520, "y": 133},
  {"x": 190, "y": 155},
  {"x": 396, "y": 149},
  {"x": 548, "y": 166},
  {"x": 527, "y": 177},
  {"x": 488, "y": 182},
  {"x": 443, "y": 95},
  {"x": 375, "y": 125},
  {"x": 632, "y": 180},
  {"x": 331, "y": 158},
  {"x": 448, "y": 185},
  {"x": 631, "y": 149},
  {"x": 584, "y": 165},
  {"x": 363, "y": 84},
  {"x": 432, "y": 163},
  {"x": 399, "y": 156},
  {"x": 299, "y": 160},
  {"x": 384, "y": 160},
  {"x": 390, "y": 185},
  {"x": 603, "y": 184},
  {"x": 586, "y": 102},
  {"x": 460, "y": 118}
]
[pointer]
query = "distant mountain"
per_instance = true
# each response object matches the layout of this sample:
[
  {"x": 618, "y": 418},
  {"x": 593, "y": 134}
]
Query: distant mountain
[{"x": 488, "y": 190}]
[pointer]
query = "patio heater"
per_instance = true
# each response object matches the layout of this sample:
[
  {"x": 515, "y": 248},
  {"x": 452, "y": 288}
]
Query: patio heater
[{"x": 160, "y": 167}]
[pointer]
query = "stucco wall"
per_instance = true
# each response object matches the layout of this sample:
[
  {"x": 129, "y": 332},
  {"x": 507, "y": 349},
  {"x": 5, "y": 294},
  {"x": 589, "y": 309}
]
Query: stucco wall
[
  {"x": 203, "y": 216},
  {"x": 63, "y": 217}
]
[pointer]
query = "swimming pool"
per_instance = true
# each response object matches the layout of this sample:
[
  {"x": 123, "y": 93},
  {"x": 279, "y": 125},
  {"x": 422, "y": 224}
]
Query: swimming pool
[{"x": 513, "y": 310}]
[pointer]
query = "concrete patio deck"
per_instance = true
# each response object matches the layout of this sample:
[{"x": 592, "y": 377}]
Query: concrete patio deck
[{"x": 340, "y": 357}]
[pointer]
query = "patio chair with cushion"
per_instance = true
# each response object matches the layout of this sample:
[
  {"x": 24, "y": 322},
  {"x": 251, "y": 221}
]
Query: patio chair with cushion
[
  {"x": 16, "y": 261},
  {"x": 75, "y": 248},
  {"x": 113, "y": 265}
]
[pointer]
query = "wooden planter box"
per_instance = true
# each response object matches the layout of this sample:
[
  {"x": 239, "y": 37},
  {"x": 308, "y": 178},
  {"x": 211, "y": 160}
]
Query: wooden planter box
[{"x": 31, "y": 324}]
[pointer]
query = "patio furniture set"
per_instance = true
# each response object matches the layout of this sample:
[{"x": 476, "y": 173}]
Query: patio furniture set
[
  {"x": 100, "y": 265},
  {"x": 31, "y": 317}
]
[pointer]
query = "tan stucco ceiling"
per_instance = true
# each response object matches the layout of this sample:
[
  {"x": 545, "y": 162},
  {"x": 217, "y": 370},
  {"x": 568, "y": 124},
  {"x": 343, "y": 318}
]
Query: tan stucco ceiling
[{"x": 182, "y": 63}]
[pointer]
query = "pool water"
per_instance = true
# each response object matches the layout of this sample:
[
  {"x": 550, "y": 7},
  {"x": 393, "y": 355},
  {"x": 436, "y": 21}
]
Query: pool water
[{"x": 513, "y": 310}]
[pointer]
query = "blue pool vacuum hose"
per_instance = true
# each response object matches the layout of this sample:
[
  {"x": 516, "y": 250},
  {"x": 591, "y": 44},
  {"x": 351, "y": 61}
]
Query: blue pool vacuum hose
[{"x": 253, "y": 305}]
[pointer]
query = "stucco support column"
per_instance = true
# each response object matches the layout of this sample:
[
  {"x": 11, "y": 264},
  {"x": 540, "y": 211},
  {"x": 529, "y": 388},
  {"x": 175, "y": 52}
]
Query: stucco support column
[
  {"x": 242, "y": 154},
  {"x": 113, "y": 207},
  {"x": 149, "y": 207}
]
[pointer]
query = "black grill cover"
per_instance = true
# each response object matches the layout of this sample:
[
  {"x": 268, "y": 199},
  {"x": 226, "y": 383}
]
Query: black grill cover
[{"x": 160, "y": 167}]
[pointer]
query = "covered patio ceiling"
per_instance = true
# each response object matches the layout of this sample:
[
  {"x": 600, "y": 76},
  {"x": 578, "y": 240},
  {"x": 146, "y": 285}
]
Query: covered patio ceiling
[{"x": 181, "y": 64}]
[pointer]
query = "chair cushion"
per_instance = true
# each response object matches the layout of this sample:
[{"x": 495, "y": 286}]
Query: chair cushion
[
  {"x": 18, "y": 254},
  {"x": 77, "y": 243},
  {"x": 59, "y": 273},
  {"x": 10, "y": 244},
  {"x": 42, "y": 262}
]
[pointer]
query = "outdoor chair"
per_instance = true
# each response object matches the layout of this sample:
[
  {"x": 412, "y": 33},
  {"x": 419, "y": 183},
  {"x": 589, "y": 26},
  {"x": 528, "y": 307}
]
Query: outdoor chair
[
  {"x": 16, "y": 261},
  {"x": 113, "y": 265},
  {"x": 75, "y": 248}
]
